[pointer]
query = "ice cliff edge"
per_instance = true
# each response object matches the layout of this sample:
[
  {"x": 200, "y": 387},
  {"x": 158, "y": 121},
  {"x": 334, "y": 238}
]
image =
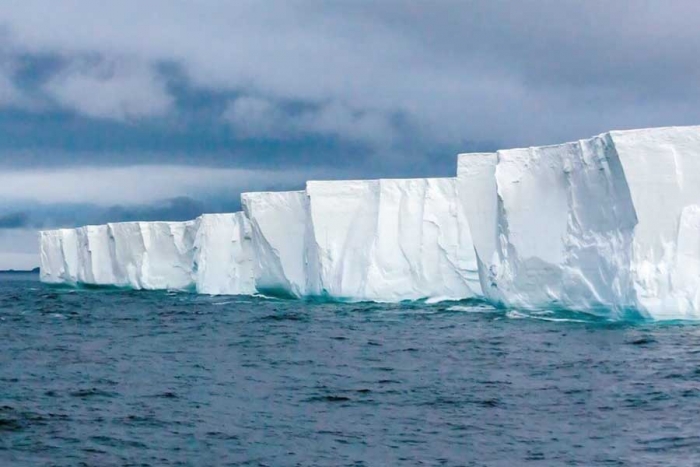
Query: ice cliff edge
[{"x": 607, "y": 224}]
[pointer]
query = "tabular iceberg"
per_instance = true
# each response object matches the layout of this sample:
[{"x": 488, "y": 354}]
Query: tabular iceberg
[
  {"x": 609, "y": 224},
  {"x": 606, "y": 222}
]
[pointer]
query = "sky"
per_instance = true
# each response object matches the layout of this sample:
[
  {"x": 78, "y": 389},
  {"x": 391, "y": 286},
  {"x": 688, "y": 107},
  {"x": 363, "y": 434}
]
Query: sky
[{"x": 164, "y": 109}]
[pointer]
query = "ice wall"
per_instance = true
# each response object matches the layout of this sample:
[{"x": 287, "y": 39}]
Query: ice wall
[
  {"x": 223, "y": 259},
  {"x": 153, "y": 255},
  {"x": 605, "y": 223},
  {"x": 391, "y": 240},
  {"x": 140, "y": 255},
  {"x": 283, "y": 247},
  {"x": 212, "y": 254},
  {"x": 662, "y": 169},
  {"x": 59, "y": 256}
]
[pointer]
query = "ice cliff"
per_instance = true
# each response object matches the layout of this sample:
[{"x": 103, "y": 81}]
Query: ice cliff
[
  {"x": 606, "y": 223},
  {"x": 383, "y": 240},
  {"x": 391, "y": 240},
  {"x": 223, "y": 255},
  {"x": 211, "y": 254},
  {"x": 282, "y": 241}
]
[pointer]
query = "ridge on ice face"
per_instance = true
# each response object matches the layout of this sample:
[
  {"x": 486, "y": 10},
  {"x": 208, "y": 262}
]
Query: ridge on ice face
[
  {"x": 140, "y": 255},
  {"x": 391, "y": 240},
  {"x": 212, "y": 254},
  {"x": 223, "y": 260},
  {"x": 662, "y": 168},
  {"x": 604, "y": 222},
  {"x": 59, "y": 256},
  {"x": 281, "y": 242}
]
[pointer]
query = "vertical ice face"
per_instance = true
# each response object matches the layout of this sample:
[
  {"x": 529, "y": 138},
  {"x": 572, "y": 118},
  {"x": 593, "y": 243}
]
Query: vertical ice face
[
  {"x": 59, "y": 256},
  {"x": 662, "y": 169},
  {"x": 223, "y": 261},
  {"x": 611, "y": 221},
  {"x": 343, "y": 216},
  {"x": 169, "y": 254},
  {"x": 391, "y": 240},
  {"x": 141, "y": 255},
  {"x": 128, "y": 252},
  {"x": 552, "y": 226},
  {"x": 282, "y": 247},
  {"x": 95, "y": 261},
  {"x": 153, "y": 255},
  {"x": 477, "y": 194}
]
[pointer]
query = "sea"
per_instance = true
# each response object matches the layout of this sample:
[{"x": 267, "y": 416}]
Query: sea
[{"x": 106, "y": 377}]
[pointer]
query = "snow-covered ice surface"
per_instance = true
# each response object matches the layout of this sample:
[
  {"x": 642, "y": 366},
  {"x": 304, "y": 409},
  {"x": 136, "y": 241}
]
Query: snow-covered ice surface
[
  {"x": 223, "y": 259},
  {"x": 391, "y": 240},
  {"x": 609, "y": 223}
]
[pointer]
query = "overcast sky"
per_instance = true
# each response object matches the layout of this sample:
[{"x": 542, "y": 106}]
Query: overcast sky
[{"x": 164, "y": 109}]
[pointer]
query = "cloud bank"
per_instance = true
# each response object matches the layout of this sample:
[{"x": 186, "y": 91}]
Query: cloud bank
[{"x": 171, "y": 107}]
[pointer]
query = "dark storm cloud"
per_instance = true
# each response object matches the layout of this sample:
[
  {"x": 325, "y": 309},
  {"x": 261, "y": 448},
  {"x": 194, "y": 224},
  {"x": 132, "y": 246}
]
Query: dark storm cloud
[
  {"x": 397, "y": 83},
  {"x": 109, "y": 108},
  {"x": 42, "y": 216},
  {"x": 176, "y": 209},
  {"x": 14, "y": 220}
]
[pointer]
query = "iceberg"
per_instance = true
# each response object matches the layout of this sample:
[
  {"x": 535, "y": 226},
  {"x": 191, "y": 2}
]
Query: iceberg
[
  {"x": 391, "y": 240},
  {"x": 604, "y": 223},
  {"x": 609, "y": 225}
]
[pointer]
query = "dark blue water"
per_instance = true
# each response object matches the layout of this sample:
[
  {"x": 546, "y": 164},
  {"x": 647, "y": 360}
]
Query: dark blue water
[{"x": 102, "y": 378}]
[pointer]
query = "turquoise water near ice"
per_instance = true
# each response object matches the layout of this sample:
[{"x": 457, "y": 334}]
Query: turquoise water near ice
[{"x": 113, "y": 377}]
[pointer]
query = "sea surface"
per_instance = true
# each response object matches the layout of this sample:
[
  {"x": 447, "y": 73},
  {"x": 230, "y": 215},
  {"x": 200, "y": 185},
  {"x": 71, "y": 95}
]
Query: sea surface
[{"x": 116, "y": 378}]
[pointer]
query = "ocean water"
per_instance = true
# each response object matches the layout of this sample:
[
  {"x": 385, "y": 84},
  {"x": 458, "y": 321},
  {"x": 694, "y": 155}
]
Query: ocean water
[{"x": 112, "y": 378}]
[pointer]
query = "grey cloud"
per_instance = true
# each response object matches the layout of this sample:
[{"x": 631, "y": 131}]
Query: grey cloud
[
  {"x": 254, "y": 117},
  {"x": 181, "y": 208},
  {"x": 119, "y": 89},
  {"x": 40, "y": 216},
  {"x": 454, "y": 73},
  {"x": 14, "y": 220},
  {"x": 107, "y": 186}
]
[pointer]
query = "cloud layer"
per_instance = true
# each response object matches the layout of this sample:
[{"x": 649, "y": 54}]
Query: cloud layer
[
  {"x": 506, "y": 73},
  {"x": 131, "y": 110}
]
